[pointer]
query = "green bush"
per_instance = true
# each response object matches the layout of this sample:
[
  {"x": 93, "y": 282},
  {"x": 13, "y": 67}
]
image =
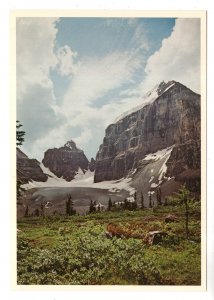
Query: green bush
[{"x": 87, "y": 257}]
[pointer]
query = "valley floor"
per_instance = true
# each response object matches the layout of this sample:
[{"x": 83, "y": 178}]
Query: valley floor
[{"x": 75, "y": 250}]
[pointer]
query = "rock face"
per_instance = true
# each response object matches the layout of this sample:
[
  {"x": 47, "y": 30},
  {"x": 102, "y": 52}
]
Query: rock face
[
  {"x": 91, "y": 165},
  {"x": 65, "y": 161},
  {"x": 173, "y": 118},
  {"x": 28, "y": 169}
]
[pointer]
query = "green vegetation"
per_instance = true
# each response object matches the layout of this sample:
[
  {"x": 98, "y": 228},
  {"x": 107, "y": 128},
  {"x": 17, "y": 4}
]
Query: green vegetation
[
  {"x": 19, "y": 141},
  {"x": 19, "y": 134},
  {"x": 75, "y": 249}
]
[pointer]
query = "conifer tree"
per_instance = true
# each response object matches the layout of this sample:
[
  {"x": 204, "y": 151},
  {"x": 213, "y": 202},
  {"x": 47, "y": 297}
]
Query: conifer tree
[
  {"x": 158, "y": 194},
  {"x": 70, "y": 206},
  {"x": 92, "y": 207},
  {"x": 182, "y": 197},
  {"x": 26, "y": 212},
  {"x": 19, "y": 134},
  {"x": 150, "y": 199},
  {"x": 109, "y": 204},
  {"x": 142, "y": 201},
  {"x": 125, "y": 203},
  {"x": 19, "y": 141},
  {"x": 42, "y": 210}
]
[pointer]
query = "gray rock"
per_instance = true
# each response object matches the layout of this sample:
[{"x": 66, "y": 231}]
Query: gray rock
[
  {"x": 28, "y": 169},
  {"x": 171, "y": 218},
  {"x": 65, "y": 161},
  {"x": 155, "y": 237},
  {"x": 172, "y": 119}
]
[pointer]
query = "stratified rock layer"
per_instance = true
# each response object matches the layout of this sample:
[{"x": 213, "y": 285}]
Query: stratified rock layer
[
  {"x": 28, "y": 169},
  {"x": 172, "y": 119},
  {"x": 65, "y": 161}
]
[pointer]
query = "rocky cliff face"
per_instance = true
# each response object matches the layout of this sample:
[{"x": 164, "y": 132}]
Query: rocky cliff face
[
  {"x": 28, "y": 169},
  {"x": 173, "y": 118},
  {"x": 91, "y": 165},
  {"x": 65, "y": 161}
]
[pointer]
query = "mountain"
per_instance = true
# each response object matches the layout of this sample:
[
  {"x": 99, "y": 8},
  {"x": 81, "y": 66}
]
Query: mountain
[
  {"x": 157, "y": 143},
  {"x": 91, "y": 165},
  {"x": 65, "y": 161},
  {"x": 28, "y": 169}
]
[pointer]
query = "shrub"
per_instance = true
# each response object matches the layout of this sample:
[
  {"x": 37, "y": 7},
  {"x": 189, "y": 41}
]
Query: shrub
[{"x": 86, "y": 258}]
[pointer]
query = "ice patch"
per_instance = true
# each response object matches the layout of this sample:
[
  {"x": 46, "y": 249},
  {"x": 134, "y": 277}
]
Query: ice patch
[
  {"x": 82, "y": 180},
  {"x": 168, "y": 87},
  {"x": 133, "y": 172},
  {"x": 150, "y": 180},
  {"x": 148, "y": 98},
  {"x": 159, "y": 154},
  {"x": 154, "y": 185},
  {"x": 163, "y": 169}
]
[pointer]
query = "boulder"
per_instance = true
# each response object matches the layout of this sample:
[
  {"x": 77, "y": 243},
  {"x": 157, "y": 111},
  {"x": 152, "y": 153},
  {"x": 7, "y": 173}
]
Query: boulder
[
  {"x": 171, "y": 218},
  {"x": 155, "y": 237}
]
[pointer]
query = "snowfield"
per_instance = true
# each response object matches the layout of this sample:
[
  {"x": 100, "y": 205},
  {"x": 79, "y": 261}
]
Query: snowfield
[
  {"x": 161, "y": 155},
  {"x": 87, "y": 179},
  {"x": 81, "y": 180}
]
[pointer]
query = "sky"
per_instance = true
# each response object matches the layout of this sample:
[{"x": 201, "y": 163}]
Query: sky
[{"x": 75, "y": 76}]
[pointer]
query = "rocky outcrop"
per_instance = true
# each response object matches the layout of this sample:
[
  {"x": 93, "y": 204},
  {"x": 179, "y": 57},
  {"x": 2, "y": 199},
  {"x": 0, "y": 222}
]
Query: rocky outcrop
[
  {"x": 65, "y": 161},
  {"x": 173, "y": 118},
  {"x": 91, "y": 165},
  {"x": 28, "y": 169}
]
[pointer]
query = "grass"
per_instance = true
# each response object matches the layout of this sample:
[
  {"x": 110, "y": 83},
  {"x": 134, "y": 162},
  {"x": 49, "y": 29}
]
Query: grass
[{"x": 75, "y": 250}]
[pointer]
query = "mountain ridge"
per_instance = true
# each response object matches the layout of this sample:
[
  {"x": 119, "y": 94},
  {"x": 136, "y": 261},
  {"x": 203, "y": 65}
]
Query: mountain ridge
[
  {"x": 166, "y": 130},
  {"x": 173, "y": 118}
]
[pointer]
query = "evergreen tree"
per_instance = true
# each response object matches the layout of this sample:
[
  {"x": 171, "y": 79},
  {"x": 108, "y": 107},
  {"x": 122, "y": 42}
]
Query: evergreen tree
[
  {"x": 183, "y": 197},
  {"x": 36, "y": 212},
  {"x": 70, "y": 206},
  {"x": 134, "y": 205},
  {"x": 42, "y": 210},
  {"x": 19, "y": 134},
  {"x": 94, "y": 205},
  {"x": 109, "y": 204},
  {"x": 91, "y": 207},
  {"x": 158, "y": 194},
  {"x": 150, "y": 199},
  {"x": 19, "y": 141},
  {"x": 142, "y": 201},
  {"x": 126, "y": 204},
  {"x": 26, "y": 212},
  {"x": 19, "y": 190}
]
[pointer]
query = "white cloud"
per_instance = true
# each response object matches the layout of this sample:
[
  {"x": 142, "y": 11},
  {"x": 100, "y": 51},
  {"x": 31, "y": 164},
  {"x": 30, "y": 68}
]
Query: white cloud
[
  {"x": 85, "y": 136},
  {"x": 34, "y": 49},
  {"x": 66, "y": 58},
  {"x": 97, "y": 76},
  {"x": 35, "y": 96},
  {"x": 178, "y": 58}
]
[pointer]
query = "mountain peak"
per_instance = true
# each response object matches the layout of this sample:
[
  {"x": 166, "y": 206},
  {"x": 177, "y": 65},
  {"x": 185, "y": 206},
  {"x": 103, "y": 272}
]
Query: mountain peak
[
  {"x": 65, "y": 161},
  {"x": 163, "y": 86},
  {"x": 71, "y": 145},
  {"x": 149, "y": 97}
]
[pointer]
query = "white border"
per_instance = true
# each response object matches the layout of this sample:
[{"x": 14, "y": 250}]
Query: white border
[{"x": 6, "y": 291}]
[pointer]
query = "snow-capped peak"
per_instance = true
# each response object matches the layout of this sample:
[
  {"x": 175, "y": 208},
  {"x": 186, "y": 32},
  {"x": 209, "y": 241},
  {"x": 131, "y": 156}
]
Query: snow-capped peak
[{"x": 148, "y": 98}]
